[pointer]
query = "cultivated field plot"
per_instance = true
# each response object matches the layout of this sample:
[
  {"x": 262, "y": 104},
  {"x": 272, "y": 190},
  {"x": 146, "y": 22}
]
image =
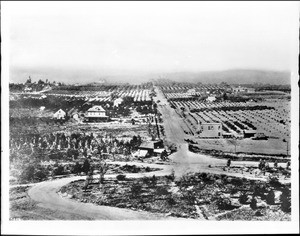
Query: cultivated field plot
[
  {"x": 186, "y": 91},
  {"x": 271, "y": 119},
  {"x": 105, "y": 93}
]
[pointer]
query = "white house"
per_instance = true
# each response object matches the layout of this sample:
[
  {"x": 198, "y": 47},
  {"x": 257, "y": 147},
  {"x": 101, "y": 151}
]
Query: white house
[
  {"x": 96, "y": 113},
  {"x": 210, "y": 130},
  {"x": 211, "y": 99},
  {"x": 191, "y": 92},
  {"x": 117, "y": 102},
  {"x": 76, "y": 116},
  {"x": 60, "y": 114},
  {"x": 27, "y": 89}
]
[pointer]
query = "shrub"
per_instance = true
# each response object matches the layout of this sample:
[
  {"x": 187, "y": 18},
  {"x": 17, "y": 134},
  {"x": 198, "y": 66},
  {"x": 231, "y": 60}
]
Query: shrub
[
  {"x": 27, "y": 173},
  {"x": 224, "y": 203},
  {"x": 121, "y": 177},
  {"x": 243, "y": 198},
  {"x": 270, "y": 197},
  {"x": 171, "y": 201},
  {"x": 41, "y": 174},
  {"x": 59, "y": 170},
  {"x": 274, "y": 182},
  {"x": 253, "y": 203},
  {"x": 285, "y": 199},
  {"x": 136, "y": 189},
  {"x": 237, "y": 181},
  {"x": 161, "y": 190}
]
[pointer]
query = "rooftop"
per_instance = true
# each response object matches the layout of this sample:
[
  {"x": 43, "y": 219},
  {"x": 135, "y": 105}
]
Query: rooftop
[{"x": 96, "y": 109}]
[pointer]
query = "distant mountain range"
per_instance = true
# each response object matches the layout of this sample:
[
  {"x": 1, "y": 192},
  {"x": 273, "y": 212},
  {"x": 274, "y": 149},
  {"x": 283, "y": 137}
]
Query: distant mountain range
[
  {"x": 69, "y": 76},
  {"x": 233, "y": 77}
]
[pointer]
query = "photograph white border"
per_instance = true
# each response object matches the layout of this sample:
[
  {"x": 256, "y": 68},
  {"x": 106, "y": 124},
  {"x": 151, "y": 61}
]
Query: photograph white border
[{"x": 141, "y": 227}]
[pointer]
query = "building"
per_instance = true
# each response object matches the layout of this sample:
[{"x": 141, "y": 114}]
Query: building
[
  {"x": 27, "y": 89},
  {"x": 191, "y": 92},
  {"x": 211, "y": 99},
  {"x": 249, "y": 133},
  {"x": 152, "y": 147},
  {"x": 240, "y": 89},
  {"x": 60, "y": 115},
  {"x": 117, "y": 102},
  {"x": 210, "y": 130},
  {"x": 96, "y": 113}
]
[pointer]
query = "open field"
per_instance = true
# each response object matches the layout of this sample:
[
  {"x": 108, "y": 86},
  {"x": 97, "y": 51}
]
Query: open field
[
  {"x": 267, "y": 147},
  {"x": 199, "y": 196}
]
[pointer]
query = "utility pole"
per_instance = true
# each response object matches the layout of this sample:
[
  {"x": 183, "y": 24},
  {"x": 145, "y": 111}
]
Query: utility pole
[{"x": 287, "y": 146}]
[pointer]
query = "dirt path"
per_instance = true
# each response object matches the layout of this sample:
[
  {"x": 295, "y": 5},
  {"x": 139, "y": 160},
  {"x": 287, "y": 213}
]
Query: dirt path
[{"x": 46, "y": 193}]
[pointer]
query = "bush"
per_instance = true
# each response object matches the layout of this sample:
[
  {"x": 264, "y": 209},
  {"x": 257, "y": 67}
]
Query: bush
[
  {"x": 59, "y": 170},
  {"x": 161, "y": 190},
  {"x": 136, "y": 189},
  {"x": 271, "y": 197},
  {"x": 243, "y": 198},
  {"x": 41, "y": 175},
  {"x": 285, "y": 199},
  {"x": 224, "y": 203},
  {"x": 27, "y": 173},
  {"x": 121, "y": 177},
  {"x": 274, "y": 182},
  {"x": 253, "y": 203}
]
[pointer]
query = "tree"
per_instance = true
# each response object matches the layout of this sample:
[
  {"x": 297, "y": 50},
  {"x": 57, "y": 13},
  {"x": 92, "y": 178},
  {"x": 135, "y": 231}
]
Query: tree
[
  {"x": 59, "y": 170},
  {"x": 253, "y": 203},
  {"x": 28, "y": 81},
  {"x": 86, "y": 166},
  {"x": 27, "y": 173},
  {"x": 285, "y": 199},
  {"x": 270, "y": 197},
  {"x": 41, "y": 174},
  {"x": 77, "y": 168},
  {"x": 103, "y": 168},
  {"x": 41, "y": 81}
]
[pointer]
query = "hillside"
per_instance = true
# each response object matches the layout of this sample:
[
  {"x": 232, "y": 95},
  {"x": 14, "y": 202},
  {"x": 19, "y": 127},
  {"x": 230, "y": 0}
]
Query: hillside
[{"x": 233, "y": 77}]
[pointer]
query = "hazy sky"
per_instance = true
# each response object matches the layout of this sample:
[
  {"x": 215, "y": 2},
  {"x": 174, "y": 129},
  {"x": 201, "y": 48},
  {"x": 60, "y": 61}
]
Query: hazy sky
[{"x": 152, "y": 36}]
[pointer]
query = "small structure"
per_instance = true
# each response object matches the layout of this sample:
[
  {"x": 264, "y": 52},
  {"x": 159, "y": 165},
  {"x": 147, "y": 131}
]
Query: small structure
[
  {"x": 60, "y": 115},
  {"x": 27, "y": 89},
  {"x": 42, "y": 108},
  {"x": 141, "y": 153},
  {"x": 211, "y": 99},
  {"x": 260, "y": 136},
  {"x": 249, "y": 133},
  {"x": 240, "y": 89},
  {"x": 191, "y": 92},
  {"x": 227, "y": 135},
  {"x": 96, "y": 113},
  {"x": 210, "y": 130},
  {"x": 76, "y": 116},
  {"x": 152, "y": 147},
  {"x": 117, "y": 102}
]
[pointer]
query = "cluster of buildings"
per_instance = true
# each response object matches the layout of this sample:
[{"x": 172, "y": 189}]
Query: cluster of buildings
[{"x": 93, "y": 114}]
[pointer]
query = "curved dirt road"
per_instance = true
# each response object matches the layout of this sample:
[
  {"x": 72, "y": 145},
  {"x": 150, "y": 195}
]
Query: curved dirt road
[{"x": 46, "y": 193}]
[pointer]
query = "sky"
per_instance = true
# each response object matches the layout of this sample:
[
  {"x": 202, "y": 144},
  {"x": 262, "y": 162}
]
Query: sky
[{"x": 115, "y": 38}]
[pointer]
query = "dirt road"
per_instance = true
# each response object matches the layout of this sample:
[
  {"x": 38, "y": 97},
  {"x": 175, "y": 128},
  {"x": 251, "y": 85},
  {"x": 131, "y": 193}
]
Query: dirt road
[{"x": 46, "y": 193}]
